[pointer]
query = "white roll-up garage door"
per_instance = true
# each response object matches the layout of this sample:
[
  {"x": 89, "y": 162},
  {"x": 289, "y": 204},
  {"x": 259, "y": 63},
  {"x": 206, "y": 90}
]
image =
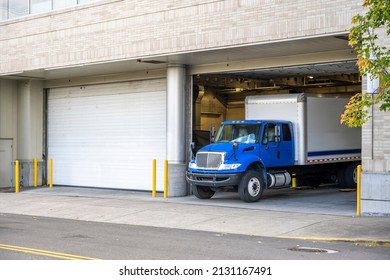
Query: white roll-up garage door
[{"x": 107, "y": 135}]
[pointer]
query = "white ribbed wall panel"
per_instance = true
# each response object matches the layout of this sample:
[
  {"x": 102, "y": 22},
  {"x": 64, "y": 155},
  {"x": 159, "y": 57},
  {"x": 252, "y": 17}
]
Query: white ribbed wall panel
[{"x": 107, "y": 135}]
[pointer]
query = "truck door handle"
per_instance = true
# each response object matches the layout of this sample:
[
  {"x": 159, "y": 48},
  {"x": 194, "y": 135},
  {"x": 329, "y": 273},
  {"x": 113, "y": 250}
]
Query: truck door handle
[{"x": 278, "y": 154}]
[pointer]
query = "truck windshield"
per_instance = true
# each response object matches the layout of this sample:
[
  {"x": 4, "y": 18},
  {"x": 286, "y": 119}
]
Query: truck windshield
[{"x": 240, "y": 133}]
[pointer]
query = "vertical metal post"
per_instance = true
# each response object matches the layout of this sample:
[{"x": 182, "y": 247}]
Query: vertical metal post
[
  {"x": 154, "y": 164},
  {"x": 358, "y": 191},
  {"x": 294, "y": 180},
  {"x": 51, "y": 173},
  {"x": 165, "y": 178},
  {"x": 16, "y": 176},
  {"x": 35, "y": 172}
]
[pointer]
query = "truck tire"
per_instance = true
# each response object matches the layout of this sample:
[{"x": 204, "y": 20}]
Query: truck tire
[
  {"x": 251, "y": 186},
  {"x": 202, "y": 192},
  {"x": 351, "y": 175}
]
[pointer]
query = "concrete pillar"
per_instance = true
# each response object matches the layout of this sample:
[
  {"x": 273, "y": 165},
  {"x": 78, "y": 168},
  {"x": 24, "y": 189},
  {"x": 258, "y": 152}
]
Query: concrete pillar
[
  {"x": 176, "y": 152},
  {"x": 30, "y": 119}
]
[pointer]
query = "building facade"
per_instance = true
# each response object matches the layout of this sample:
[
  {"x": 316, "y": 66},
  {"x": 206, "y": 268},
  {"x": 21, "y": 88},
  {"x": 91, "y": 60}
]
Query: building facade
[{"x": 104, "y": 87}]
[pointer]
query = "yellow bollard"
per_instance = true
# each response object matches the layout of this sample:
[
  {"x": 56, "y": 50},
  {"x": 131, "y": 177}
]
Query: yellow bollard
[
  {"x": 35, "y": 172},
  {"x": 165, "y": 178},
  {"x": 154, "y": 178},
  {"x": 358, "y": 191},
  {"x": 51, "y": 173},
  {"x": 294, "y": 181},
  {"x": 16, "y": 176}
]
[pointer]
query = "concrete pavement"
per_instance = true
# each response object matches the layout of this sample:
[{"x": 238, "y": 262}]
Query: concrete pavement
[{"x": 320, "y": 214}]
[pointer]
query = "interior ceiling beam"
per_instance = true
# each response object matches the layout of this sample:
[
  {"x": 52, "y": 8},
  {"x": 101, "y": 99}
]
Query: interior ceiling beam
[
  {"x": 239, "y": 97},
  {"x": 239, "y": 82},
  {"x": 272, "y": 62}
]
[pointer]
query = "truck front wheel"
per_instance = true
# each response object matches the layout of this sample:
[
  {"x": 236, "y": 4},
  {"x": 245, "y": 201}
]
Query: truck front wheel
[
  {"x": 251, "y": 186},
  {"x": 202, "y": 192}
]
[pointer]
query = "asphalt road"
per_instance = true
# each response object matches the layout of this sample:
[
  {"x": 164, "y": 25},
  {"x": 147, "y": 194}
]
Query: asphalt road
[{"x": 40, "y": 238}]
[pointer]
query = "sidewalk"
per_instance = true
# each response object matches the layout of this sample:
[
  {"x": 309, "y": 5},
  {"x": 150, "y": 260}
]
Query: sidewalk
[{"x": 224, "y": 214}]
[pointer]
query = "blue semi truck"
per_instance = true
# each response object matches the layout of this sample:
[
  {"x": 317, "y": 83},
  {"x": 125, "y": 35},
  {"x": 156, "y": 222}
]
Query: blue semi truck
[{"x": 282, "y": 137}]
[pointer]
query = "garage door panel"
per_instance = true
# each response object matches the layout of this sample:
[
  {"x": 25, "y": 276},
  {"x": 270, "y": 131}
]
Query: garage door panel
[
  {"x": 107, "y": 140},
  {"x": 107, "y": 175}
]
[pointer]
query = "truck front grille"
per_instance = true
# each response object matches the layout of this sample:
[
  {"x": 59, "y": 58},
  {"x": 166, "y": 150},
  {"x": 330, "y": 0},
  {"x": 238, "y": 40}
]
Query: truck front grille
[{"x": 209, "y": 160}]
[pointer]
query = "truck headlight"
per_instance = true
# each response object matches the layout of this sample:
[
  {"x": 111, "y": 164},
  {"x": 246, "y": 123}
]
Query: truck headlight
[
  {"x": 229, "y": 166},
  {"x": 192, "y": 165}
]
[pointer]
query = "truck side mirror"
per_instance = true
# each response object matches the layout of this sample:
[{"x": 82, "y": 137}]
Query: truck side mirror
[
  {"x": 193, "y": 149},
  {"x": 212, "y": 134},
  {"x": 235, "y": 147}
]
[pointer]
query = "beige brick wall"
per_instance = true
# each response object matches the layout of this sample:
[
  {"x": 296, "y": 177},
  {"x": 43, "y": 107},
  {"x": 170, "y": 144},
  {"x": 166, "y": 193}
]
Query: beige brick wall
[
  {"x": 376, "y": 142},
  {"x": 376, "y": 132},
  {"x": 125, "y": 29}
]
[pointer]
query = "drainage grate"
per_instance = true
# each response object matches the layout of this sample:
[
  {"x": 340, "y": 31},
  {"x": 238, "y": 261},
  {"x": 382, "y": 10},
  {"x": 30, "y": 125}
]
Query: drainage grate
[{"x": 312, "y": 250}]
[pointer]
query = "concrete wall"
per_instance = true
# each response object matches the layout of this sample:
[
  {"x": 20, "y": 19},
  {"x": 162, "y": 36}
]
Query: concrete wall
[
  {"x": 21, "y": 116},
  {"x": 125, "y": 29},
  {"x": 8, "y": 111},
  {"x": 376, "y": 163},
  {"x": 375, "y": 193},
  {"x": 376, "y": 156},
  {"x": 235, "y": 113},
  {"x": 212, "y": 110}
]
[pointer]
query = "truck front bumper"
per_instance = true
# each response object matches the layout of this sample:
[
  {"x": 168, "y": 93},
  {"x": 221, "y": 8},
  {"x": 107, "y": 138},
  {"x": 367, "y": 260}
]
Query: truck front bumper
[{"x": 214, "y": 180}]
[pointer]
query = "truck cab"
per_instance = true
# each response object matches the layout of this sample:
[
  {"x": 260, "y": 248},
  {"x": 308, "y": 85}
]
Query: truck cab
[{"x": 238, "y": 157}]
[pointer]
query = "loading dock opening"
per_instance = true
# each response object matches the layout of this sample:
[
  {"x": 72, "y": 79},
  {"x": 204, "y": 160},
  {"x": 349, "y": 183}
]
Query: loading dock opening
[{"x": 220, "y": 96}]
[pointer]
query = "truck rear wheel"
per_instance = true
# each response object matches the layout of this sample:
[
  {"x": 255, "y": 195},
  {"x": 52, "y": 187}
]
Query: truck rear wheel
[
  {"x": 347, "y": 175},
  {"x": 351, "y": 175},
  {"x": 202, "y": 192},
  {"x": 251, "y": 186}
]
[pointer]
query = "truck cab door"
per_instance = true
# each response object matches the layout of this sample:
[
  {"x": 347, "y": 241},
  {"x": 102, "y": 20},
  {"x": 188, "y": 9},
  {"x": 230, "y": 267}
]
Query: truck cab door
[{"x": 276, "y": 149}]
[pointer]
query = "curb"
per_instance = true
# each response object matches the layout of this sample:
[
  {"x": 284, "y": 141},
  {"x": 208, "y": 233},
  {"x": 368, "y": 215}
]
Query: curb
[{"x": 356, "y": 241}]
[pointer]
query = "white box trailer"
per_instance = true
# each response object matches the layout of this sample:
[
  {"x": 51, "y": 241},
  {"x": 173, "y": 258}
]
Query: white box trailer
[{"x": 319, "y": 136}]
